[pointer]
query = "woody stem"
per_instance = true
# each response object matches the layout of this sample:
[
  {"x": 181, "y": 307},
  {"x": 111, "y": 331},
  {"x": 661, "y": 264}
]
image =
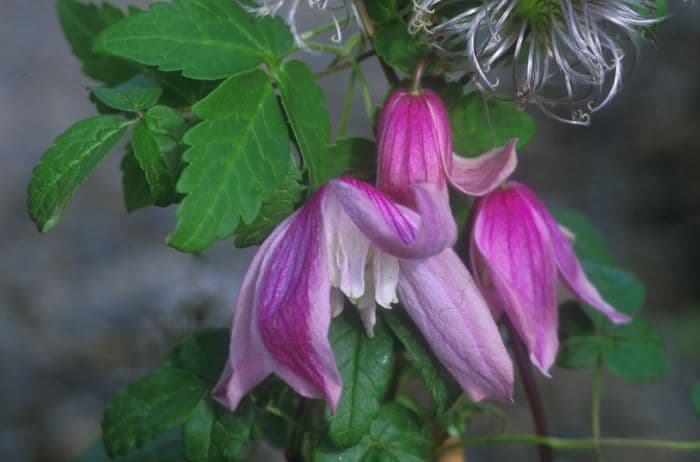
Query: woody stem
[
  {"x": 369, "y": 30},
  {"x": 533, "y": 396}
]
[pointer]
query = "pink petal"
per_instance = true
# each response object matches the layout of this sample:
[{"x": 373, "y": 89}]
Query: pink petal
[
  {"x": 397, "y": 230},
  {"x": 569, "y": 267},
  {"x": 517, "y": 267},
  {"x": 413, "y": 137},
  {"x": 442, "y": 299},
  {"x": 479, "y": 175},
  {"x": 283, "y": 313}
]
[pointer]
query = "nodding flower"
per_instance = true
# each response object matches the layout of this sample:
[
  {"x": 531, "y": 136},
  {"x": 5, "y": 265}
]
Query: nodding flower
[
  {"x": 518, "y": 254},
  {"x": 414, "y": 145},
  {"x": 350, "y": 239},
  {"x": 272, "y": 7},
  {"x": 565, "y": 56}
]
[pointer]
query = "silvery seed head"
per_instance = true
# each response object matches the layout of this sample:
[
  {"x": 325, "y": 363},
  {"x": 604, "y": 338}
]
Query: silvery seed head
[
  {"x": 272, "y": 7},
  {"x": 565, "y": 56}
]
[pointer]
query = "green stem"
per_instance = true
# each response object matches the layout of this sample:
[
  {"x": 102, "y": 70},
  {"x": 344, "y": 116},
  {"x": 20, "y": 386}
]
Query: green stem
[
  {"x": 579, "y": 443},
  {"x": 369, "y": 29},
  {"x": 347, "y": 104},
  {"x": 595, "y": 406},
  {"x": 364, "y": 89}
]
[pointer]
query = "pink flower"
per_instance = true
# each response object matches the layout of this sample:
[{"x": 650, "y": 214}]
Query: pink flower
[
  {"x": 414, "y": 145},
  {"x": 351, "y": 239},
  {"x": 518, "y": 253}
]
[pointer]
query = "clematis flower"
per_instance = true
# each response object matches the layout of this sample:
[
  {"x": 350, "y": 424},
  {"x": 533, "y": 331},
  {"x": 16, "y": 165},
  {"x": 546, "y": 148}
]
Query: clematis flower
[
  {"x": 414, "y": 145},
  {"x": 351, "y": 239},
  {"x": 518, "y": 253},
  {"x": 567, "y": 55}
]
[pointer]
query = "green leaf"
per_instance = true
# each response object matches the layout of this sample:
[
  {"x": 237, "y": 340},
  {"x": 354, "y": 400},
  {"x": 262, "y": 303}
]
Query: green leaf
[
  {"x": 204, "y": 353},
  {"x": 214, "y": 434},
  {"x": 158, "y": 148},
  {"x": 239, "y": 154},
  {"x": 206, "y": 39},
  {"x": 588, "y": 244},
  {"x": 618, "y": 287},
  {"x": 382, "y": 10},
  {"x": 273, "y": 211},
  {"x": 305, "y": 106},
  {"x": 366, "y": 366},
  {"x": 81, "y": 23},
  {"x": 166, "y": 448},
  {"x": 153, "y": 405},
  {"x": 579, "y": 351},
  {"x": 436, "y": 378},
  {"x": 397, "y": 47},
  {"x": 635, "y": 352},
  {"x": 137, "y": 193},
  {"x": 695, "y": 398},
  {"x": 394, "y": 435},
  {"x": 134, "y": 95},
  {"x": 479, "y": 125},
  {"x": 67, "y": 164},
  {"x": 353, "y": 156}
]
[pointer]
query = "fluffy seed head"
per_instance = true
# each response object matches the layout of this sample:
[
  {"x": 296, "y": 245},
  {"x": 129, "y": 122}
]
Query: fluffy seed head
[{"x": 566, "y": 56}]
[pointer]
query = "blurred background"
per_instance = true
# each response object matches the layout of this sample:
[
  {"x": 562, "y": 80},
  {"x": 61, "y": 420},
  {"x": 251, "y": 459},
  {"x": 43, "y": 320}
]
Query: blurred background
[{"x": 96, "y": 302}]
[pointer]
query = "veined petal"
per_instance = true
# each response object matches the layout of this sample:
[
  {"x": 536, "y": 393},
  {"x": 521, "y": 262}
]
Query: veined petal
[
  {"x": 397, "y": 230},
  {"x": 413, "y": 137},
  {"x": 441, "y": 298},
  {"x": 283, "y": 313},
  {"x": 569, "y": 267},
  {"x": 479, "y": 175},
  {"x": 518, "y": 260}
]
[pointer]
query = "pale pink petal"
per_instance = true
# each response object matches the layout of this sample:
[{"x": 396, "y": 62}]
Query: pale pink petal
[
  {"x": 517, "y": 266},
  {"x": 443, "y": 301},
  {"x": 397, "y": 230},
  {"x": 477, "y": 176},
  {"x": 386, "y": 277},
  {"x": 569, "y": 267},
  {"x": 283, "y": 314},
  {"x": 347, "y": 250}
]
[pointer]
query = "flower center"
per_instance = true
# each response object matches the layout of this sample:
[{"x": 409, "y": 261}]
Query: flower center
[{"x": 537, "y": 13}]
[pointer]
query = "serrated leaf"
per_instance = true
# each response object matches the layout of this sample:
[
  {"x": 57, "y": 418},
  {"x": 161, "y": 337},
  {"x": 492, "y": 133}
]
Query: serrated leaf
[
  {"x": 137, "y": 193},
  {"x": 437, "y": 380},
  {"x": 480, "y": 124},
  {"x": 395, "y": 435},
  {"x": 366, "y": 366},
  {"x": 239, "y": 153},
  {"x": 134, "y": 95},
  {"x": 157, "y": 143},
  {"x": 353, "y": 156},
  {"x": 273, "y": 211},
  {"x": 166, "y": 448},
  {"x": 215, "y": 434},
  {"x": 397, "y": 47},
  {"x": 67, "y": 164},
  {"x": 205, "y": 39},
  {"x": 81, "y": 23},
  {"x": 588, "y": 243},
  {"x": 635, "y": 352},
  {"x": 305, "y": 106},
  {"x": 203, "y": 353},
  {"x": 695, "y": 399},
  {"x": 153, "y": 405}
]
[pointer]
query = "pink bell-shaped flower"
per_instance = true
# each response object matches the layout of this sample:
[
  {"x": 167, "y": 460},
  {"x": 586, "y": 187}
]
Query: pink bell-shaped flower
[
  {"x": 414, "y": 145},
  {"x": 518, "y": 254},
  {"x": 350, "y": 238}
]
